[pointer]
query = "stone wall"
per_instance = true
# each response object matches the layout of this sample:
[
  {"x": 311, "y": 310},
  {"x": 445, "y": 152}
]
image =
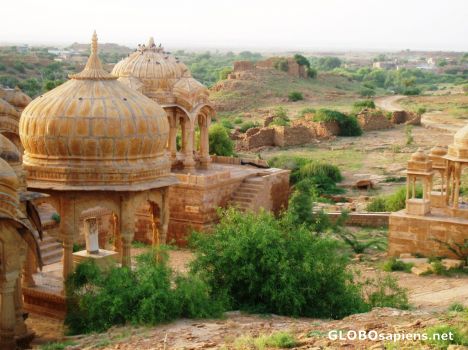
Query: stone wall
[
  {"x": 364, "y": 219},
  {"x": 418, "y": 234},
  {"x": 373, "y": 120},
  {"x": 300, "y": 132},
  {"x": 405, "y": 117}
]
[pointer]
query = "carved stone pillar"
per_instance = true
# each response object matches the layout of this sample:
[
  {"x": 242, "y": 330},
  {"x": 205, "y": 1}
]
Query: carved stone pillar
[
  {"x": 204, "y": 124},
  {"x": 67, "y": 228},
  {"x": 7, "y": 313},
  {"x": 164, "y": 220},
  {"x": 29, "y": 269},
  {"x": 127, "y": 228},
  {"x": 172, "y": 141},
  {"x": 187, "y": 141},
  {"x": 117, "y": 235},
  {"x": 20, "y": 327}
]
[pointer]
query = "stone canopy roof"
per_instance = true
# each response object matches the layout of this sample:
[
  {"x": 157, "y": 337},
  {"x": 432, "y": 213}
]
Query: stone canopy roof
[
  {"x": 15, "y": 97},
  {"x": 94, "y": 133},
  {"x": 161, "y": 76}
]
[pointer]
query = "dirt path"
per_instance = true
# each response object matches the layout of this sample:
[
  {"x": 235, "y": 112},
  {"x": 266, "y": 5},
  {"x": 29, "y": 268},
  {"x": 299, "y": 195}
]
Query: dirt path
[
  {"x": 389, "y": 103},
  {"x": 436, "y": 120}
]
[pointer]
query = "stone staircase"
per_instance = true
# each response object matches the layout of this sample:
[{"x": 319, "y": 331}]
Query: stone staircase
[
  {"x": 245, "y": 195},
  {"x": 51, "y": 249}
]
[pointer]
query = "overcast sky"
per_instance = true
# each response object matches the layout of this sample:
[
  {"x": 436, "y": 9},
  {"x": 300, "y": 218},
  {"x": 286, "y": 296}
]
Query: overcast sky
[{"x": 249, "y": 24}]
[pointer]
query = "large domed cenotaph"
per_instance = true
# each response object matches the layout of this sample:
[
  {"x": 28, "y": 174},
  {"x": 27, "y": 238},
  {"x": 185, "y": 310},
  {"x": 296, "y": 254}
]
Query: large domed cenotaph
[
  {"x": 437, "y": 223},
  {"x": 92, "y": 143},
  {"x": 205, "y": 182}
]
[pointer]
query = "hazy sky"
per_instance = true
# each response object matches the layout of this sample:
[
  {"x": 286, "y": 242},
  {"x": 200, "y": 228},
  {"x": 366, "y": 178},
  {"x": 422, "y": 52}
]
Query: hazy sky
[{"x": 250, "y": 24}]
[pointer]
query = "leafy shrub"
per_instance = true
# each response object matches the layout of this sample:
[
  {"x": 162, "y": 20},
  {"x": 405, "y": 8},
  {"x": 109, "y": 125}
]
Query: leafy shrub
[
  {"x": 224, "y": 72},
  {"x": 311, "y": 73},
  {"x": 409, "y": 134},
  {"x": 323, "y": 175},
  {"x": 220, "y": 143},
  {"x": 278, "y": 340},
  {"x": 238, "y": 120},
  {"x": 411, "y": 91},
  {"x": 226, "y": 123},
  {"x": 98, "y": 300},
  {"x": 367, "y": 92},
  {"x": 385, "y": 292},
  {"x": 280, "y": 112},
  {"x": 291, "y": 163},
  {"x": 360, "y": 105},
  {"x": 393, "y": 264},
  {"x": 280, "y": 117},
  {"x": 282, "y": 64},
  {"x": 377, "y": 204},
  {"x": 267, "y": 265},
  {"x": 304, "y": 111},
  {"x": 301, "y": 60},
  {"x": 248, "y": 125},
  {"x": 393, "y": 202},
  {"x": 358, "y": 246},
  {"x": 348, "y": 124},
  {"x": 295, "y": 96},
  {"x": 456, "y": 307},
  {"x": 438, "y": 268},
  {"x": 280, "y": 121},
  {"x": 458, "y": 337}
]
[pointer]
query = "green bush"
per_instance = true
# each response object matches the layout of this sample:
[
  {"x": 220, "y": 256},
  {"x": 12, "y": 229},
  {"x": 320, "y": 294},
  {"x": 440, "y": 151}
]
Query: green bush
[
  {"x": 384, "y": 291},
  {"x": 282, "y": 64},
  {"x": 304, "y": 111},
  {"x": 456, "y": 307},
  {"x": 248, "y": 125},
  {"x": 393, "y": 264},
  {"x": 224, "y": 72},
  {"x": 311, "y": 73},
  {"x": 349, "y": 125},
  {"x": 97, "y": 300},
  {"x": 323, "y": 175},
  {"x": 367, "y": 92},
  {"x": 238, "y": 120},
  {"x": 220, "y": 143},
  {"x": 360, "y": 105},
  {"x": 226, "y": 123},
  {"x": 291, "y": 163},
  {"x": 301, "y": 60},
  {"x": 393, "y": 202},
  {"x": 295, "y": 96},
  {"x": 267, "y": 265},
  {"x": 280, "y": 121},
  {"x": 459, "y": 337}
]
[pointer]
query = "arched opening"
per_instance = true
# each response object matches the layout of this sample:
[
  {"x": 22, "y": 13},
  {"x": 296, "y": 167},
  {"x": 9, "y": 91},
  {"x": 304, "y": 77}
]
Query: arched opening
[{"x": 148, "y": 223}]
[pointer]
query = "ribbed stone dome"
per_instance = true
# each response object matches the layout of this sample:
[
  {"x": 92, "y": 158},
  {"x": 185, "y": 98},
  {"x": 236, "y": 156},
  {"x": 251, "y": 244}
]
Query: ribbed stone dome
[
  {"x": 15, "y": 97},
  {"x": 94, "y": 132},
  {"x": 160, "y": 76}
]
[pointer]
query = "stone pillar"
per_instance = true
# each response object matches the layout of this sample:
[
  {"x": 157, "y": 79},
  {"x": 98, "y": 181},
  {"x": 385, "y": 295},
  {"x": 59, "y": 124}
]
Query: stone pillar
[
  {"x": 29, "y": 269},
  {"x": 117, "y": 235},
  {"x": 127, "y": 228},
  {"x": 7, "y": 313},
  {"x": 172, "y": 141},
  {"x": 164, "y": 219},
  {"x": 20, "y": 327},
  {"x": 187, "y": 142},
  {"x": 67, "y": 231},
  {"x": 204, "y": 124}
]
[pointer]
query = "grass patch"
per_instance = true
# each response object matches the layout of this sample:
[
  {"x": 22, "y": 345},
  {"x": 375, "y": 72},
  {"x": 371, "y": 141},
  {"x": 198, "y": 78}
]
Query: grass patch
[
  {"x": 57, "y": 345},
  {"x": 437, "y": 335},
  {"x": 393, "y": 264},
  {"x": 279, "y": 340}
]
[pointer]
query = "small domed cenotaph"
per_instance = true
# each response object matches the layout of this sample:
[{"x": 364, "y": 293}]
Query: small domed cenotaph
[
  {"x": 435, "y": 225},
  {"x": 205, "y": 182}
]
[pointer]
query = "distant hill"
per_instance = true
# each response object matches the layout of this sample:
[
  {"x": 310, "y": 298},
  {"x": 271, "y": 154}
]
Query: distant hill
[
  {"x": 109, "y": 48},
  {"x": 269, "y": 87}
]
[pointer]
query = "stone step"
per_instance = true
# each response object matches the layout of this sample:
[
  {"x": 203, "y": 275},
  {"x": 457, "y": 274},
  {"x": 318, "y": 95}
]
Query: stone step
[
  {"x": 235, "y": 198},
  {"x": 52, "y": 257},
  {"x": 48, "y": 247},
  {"x": 244, "y": 194}
]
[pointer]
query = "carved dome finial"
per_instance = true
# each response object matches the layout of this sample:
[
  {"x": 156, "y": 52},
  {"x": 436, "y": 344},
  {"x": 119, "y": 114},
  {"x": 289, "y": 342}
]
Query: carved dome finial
[
  {"x": 93, "y": 69},
  {"x": 151, "y": 42}
]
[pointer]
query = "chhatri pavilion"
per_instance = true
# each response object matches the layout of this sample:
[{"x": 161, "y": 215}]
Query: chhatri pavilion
[
  {"x": 98, "y": 165},
  {"x": 437, "y": 223}
]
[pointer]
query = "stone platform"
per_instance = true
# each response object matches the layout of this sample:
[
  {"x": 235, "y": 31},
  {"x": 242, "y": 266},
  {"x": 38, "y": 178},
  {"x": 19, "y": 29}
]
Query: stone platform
[
  {"x": 200, "y": 192},
  {"x": 419, "y": 234}
]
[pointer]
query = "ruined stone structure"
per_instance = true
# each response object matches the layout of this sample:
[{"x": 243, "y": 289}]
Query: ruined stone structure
[
  {"x": 370, "y": 119},
  {"x": 429, "y": 225},
  {"x": 203, "y": 185},
  {"x": 244, "y": 69},
  {"x": 405, "y": 117},
  {"x": 300, "y": 132}
]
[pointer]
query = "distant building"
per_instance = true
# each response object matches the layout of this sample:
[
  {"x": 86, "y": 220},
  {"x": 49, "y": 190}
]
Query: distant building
[{"x": 385, "y": 65}]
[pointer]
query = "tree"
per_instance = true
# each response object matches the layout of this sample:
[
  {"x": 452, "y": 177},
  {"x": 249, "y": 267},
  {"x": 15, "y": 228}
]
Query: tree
[
  {"x": 301, "y": 60},
  {"x": 328, "y": 63},
  {"x": 224, "y": 72},
  {"x": 220, "y": 143}
]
